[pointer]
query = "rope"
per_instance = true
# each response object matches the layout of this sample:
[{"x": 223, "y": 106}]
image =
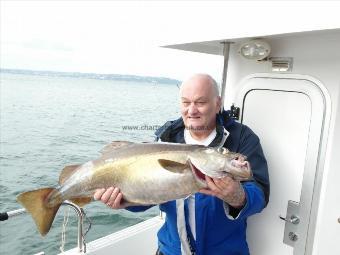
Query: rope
[
  {"x": 63, "y": 231},
  {"x": 64, "y": 225},
  {"x": 87, "y": 230}
]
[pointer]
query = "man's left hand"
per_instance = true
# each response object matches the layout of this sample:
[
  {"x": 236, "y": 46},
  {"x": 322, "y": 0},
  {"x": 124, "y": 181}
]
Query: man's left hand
[{"x": 227, "y": 189}]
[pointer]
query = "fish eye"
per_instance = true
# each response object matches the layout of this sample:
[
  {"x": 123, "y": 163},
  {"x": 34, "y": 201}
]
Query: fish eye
[{"x": 222, "y": 150}]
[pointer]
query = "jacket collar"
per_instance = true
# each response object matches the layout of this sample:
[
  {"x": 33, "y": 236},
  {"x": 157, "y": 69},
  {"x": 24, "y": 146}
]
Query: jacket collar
[{"x": 173, "y": 131}]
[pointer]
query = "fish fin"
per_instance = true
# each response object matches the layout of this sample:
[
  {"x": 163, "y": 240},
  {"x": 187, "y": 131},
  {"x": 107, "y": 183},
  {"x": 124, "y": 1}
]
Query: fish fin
[
  {"x": 172, "y": 166},
  {"x": 114, "y": 145},
  {"x": 67, "y": 172},
  {"x": 34, "y": 203},
  {"x": 81, "y": 201}
]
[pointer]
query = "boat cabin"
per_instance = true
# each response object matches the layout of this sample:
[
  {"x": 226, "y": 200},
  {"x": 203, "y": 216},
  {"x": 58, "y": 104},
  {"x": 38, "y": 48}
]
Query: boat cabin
[{"x": 286, "y": 87}]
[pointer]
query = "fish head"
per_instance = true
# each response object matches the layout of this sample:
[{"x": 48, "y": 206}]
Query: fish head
[{"x": 220, "y": 162}]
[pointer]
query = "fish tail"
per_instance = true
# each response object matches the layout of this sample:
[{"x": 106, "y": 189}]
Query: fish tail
[{"x": 35, "y": 203}]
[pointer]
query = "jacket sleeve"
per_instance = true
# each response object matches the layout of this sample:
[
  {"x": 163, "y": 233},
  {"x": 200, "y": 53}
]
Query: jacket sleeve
[
  {"x": 250, "y": 146},
  {"x": 257, "y": 190},
  {"x": 139, "y": 208},
  {"x": 254, "y": 203}
]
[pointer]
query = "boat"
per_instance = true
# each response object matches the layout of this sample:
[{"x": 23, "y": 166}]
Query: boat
[{"x": 286, "y": 87}]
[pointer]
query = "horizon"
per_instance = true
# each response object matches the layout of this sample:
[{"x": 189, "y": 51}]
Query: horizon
[{"x": 34, "y": 72}]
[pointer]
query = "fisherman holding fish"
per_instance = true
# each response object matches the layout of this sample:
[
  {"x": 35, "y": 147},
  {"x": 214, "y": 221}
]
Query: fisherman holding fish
[
  {"x": 198, "y": 173},
  {"x": 213, "y": 220}
]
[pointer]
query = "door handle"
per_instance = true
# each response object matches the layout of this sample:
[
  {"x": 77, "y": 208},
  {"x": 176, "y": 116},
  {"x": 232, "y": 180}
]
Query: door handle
[{"x": 293, "y": 219}]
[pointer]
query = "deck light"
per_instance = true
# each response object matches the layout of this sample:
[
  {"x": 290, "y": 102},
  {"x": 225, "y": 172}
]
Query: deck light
[{"x": 254, "y": 50}]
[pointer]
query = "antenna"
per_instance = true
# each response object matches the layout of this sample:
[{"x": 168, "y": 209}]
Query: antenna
[{"x": 226, "y": 48}]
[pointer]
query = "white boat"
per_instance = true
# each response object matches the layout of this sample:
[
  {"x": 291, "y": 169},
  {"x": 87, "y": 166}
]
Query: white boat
[
  {"x": 290, "y": 98},
  {"x": 289, "y": 94}
]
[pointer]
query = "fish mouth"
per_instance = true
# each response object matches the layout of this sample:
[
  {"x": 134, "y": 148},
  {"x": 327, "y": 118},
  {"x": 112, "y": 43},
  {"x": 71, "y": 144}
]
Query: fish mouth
[
  {"x": 198, "y": 174},
  {"x": 244, "y": 165},
  {"x": 240, "y": 169}
]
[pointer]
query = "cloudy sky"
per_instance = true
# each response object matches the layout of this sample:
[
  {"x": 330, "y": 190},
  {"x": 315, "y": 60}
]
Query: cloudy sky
[{"x": 124, "y": 37}]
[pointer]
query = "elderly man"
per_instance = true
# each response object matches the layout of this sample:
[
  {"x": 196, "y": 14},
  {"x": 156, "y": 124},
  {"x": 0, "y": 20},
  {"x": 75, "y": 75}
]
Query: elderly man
[{"x": 214, "y": 220}]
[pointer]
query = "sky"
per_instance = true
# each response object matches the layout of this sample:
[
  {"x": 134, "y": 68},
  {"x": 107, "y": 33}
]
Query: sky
[{"x": 124, "y": 37}]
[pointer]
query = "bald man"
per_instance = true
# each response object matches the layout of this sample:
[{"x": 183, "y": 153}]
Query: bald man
[{"x": 212, "y": 221}]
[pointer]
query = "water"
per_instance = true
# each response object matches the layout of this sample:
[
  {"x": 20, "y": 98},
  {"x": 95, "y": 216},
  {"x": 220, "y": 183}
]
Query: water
[{"x": 50, "y": 122}]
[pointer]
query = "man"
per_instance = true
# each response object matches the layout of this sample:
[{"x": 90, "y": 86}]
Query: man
[{"x": 212, "y": 221}]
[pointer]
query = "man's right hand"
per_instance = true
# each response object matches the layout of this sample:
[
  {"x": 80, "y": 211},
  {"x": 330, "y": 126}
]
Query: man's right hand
[{"x": 112, "y": 197}]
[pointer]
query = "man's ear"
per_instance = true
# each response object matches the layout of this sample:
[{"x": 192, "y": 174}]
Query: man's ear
[{"x": 218, "y": 104}]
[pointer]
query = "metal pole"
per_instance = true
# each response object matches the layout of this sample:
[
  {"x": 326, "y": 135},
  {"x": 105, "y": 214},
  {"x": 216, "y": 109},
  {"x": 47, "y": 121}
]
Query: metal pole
[
  {"x": 6, "y": 215},
  {"x": 226, "y": 48},
  {"x": 79, "y": 211},
  {"x": 80, "y": 214}
]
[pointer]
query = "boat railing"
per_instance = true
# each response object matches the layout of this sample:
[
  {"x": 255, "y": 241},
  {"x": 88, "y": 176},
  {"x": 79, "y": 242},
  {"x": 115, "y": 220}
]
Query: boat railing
[{"x": 80, "y": 214}]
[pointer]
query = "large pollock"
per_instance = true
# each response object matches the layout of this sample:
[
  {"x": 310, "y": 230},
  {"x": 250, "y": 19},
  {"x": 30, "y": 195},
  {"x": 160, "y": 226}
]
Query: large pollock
[{"x": 146, "y": 173}]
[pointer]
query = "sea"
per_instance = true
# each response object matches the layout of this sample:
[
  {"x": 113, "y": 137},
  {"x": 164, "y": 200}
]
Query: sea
[{"x": 49, "y": 120}]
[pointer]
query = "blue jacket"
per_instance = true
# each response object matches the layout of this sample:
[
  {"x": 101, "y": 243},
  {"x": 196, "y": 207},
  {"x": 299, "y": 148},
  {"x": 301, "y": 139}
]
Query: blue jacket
[{"x": 217, "y": 232}]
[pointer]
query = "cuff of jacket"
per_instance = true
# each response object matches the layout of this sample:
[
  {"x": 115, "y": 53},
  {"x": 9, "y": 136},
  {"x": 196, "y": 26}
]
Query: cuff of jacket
[
  {"x": 255, "y": 202},
  {"x": 139, "y": 208}
]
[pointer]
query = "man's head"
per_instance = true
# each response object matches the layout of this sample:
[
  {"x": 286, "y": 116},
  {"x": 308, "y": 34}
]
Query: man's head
[{"x": 200, "y": 102}]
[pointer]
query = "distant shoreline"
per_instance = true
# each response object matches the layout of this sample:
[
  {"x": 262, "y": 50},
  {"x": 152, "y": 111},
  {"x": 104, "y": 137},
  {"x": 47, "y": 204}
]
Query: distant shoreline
[{"x": 116, "y": 77}]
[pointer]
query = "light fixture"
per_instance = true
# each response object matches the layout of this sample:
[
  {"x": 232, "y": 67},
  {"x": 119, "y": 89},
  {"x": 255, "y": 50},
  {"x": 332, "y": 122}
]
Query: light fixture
[{"x": 254, "y": 50}]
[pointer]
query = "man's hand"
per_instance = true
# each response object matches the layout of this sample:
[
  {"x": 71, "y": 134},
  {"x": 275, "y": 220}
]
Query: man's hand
[
  {"x": 112, "y": 197},
  {"x": 227, "y": 189}
]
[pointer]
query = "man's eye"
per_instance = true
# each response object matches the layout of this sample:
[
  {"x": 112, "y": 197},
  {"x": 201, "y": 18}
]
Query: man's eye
[
  {"x": 185, "y": 103},
  {"x": 200, "y": 103}
]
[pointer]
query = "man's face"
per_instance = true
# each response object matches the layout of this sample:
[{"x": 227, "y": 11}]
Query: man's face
[{"x": 199, "y": 105}]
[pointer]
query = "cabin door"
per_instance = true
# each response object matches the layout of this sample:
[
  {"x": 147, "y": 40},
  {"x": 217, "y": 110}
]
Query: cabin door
[{"x": 287, "y": 113}]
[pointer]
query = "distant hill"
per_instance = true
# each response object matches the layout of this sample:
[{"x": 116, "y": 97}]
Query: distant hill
[{"x": 116, "y": 77}]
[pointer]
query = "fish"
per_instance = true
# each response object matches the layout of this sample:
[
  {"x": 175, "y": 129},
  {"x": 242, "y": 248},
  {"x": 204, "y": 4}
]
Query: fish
[{"x": 145, "y": 173}]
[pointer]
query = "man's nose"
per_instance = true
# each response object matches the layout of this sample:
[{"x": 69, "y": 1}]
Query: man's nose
[{"x": 192, "y": 109}]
